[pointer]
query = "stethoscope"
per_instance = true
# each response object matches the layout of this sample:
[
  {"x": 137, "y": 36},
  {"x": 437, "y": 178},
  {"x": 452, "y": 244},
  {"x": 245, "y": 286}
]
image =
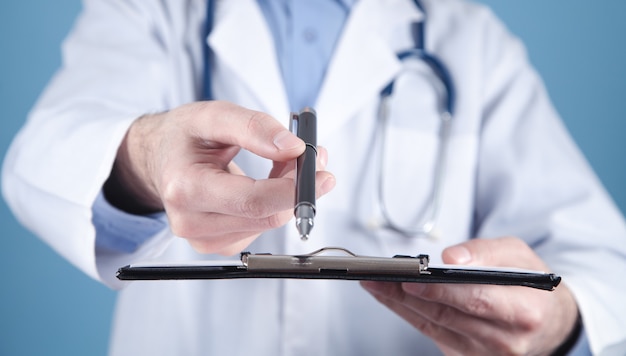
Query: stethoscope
[{"x": 426, "y": 227}]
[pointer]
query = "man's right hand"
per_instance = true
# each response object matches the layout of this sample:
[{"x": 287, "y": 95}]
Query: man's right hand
[{"x": 180, "y": 161}]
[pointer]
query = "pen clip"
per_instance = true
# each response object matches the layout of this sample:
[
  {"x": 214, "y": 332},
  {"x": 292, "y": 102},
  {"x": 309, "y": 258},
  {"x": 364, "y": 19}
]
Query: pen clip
[{"x": 293, "y": 123}]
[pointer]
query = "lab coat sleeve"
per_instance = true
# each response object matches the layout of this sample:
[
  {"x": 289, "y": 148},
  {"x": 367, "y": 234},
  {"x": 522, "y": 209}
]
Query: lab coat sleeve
[
  {"x": 534, "y": 183},
  {"x": 112, "y": 73}
]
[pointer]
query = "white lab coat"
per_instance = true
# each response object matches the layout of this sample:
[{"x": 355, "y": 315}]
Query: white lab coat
[{"x": 512, "y": 170}]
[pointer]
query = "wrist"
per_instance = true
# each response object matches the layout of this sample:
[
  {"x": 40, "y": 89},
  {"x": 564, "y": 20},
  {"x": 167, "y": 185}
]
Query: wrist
[{"x": 128, "y": 187}]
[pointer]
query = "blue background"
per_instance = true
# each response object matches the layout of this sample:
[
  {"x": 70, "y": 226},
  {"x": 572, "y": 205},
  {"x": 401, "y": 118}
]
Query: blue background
[{"x": 49, "y": 308}]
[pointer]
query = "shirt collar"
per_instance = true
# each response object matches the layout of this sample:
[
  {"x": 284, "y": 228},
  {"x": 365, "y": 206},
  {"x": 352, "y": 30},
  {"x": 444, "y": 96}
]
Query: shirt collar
[{"x": 347, "y": 3}]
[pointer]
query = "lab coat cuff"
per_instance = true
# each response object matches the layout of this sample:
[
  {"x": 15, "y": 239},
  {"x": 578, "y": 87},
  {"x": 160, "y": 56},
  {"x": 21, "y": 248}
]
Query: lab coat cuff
[
  {"x": 122, "y": 232},
  {"x": 576, "y": 343},
  {"x": 581, "y": 347}
]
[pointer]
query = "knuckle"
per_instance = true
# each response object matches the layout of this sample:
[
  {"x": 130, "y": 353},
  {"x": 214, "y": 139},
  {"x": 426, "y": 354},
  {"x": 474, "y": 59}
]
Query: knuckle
[
  {"x": 256, "y": 122},
  {"x": 277, "y": 220},
  {"x": 252, "y": 207},
  {"x": 530, "y": 319},
  {"x": 272, "y": 222},
  {"x": 433, "y": 292},
  {"x": 444, "y": 315},
  {"x": 430, "y": 329},
  {"x": 479, "y": 304},
  {"x": 257, "y": 204},
  {"x": 174, "y": 194},
  {"x": 425, "y": 327}
]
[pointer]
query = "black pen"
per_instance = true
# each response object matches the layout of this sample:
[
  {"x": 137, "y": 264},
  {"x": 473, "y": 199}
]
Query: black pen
[{"x": 305, "y": 126}]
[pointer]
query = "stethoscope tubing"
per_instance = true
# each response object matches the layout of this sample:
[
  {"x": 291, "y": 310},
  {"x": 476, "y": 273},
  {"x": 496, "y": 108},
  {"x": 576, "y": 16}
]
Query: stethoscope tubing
[{"x": 427, "y": 222}]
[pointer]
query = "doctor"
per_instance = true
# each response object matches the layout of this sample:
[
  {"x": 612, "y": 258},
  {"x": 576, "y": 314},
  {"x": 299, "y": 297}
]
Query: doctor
[{"x": 121, "y": 162}]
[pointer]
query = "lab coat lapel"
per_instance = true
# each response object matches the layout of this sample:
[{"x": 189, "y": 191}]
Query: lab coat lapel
[
  {"x": 365, "y": 60},
  {"x": 241, "y": 39}
]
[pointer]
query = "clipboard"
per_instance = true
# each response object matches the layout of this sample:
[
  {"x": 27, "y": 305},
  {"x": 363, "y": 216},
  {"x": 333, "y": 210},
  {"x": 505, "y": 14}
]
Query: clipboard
[{"x": 347, "y": 266}]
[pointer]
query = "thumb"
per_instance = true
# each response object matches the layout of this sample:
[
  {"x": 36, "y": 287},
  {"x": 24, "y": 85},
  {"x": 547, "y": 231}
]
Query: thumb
[{"x": 501, "y": 252}]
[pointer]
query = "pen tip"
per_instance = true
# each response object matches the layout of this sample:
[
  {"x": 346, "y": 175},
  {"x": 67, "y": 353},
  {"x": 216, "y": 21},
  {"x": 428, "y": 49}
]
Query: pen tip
[{"x": 304, "y": 221}]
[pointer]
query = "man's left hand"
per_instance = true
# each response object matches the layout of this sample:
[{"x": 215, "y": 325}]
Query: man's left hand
[{"x": 485, "y": 319}]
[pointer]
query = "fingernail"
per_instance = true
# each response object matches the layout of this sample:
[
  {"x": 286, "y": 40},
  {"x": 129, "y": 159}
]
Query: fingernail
[
  {"x": 285, "y": 141},
  {"x": 459, "y": 254}
]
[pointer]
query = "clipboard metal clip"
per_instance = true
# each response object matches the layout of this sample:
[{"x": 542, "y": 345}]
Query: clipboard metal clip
[{"x": 320, "y": 262}]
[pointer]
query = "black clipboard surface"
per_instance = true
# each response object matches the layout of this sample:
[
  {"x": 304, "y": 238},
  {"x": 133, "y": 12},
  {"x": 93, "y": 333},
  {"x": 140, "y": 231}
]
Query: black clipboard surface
[{"x": 346, "y": 267}]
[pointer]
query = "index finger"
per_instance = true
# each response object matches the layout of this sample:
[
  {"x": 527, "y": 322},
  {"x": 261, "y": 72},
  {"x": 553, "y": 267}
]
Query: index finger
[
  {"x": 239, "y": 195},
  {"x": 482, "y": 301}
]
